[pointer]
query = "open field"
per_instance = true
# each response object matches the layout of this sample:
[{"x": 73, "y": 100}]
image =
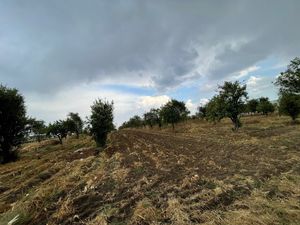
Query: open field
[{"x": 200, "y": 174}]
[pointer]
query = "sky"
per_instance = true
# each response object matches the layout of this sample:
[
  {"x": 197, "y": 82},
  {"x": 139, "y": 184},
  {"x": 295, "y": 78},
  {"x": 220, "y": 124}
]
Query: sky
[{"x": 62, "y": 55}]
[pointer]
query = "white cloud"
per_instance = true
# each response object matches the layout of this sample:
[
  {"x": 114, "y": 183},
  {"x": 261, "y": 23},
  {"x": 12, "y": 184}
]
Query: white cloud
[
  {"x": 148, "y": 102},
  {"x": 246, "y": 71}
]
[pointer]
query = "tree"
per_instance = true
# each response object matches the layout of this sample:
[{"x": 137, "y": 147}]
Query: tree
[
  {"x": 151, "y": 118},
  {"x": 12, "y": 122},
  {"x": 215, "y": 110},
  {"x": 289, "y": 81},
  {"x": 173, "y": 112},
  {"x": 37, "y": 127},
  {"x": 289, "y": 104},
  {"x": 232, "y": 95},
  {"x": 59, "y": 129},
  {"x": 251, "y": 106},
  {"x": 134, "y": 122},
  {"x": 101, "y": 121},
  {"x": 77, "y": 123},
  {"x": 265, "y": 106},
  {"x": 202, "y": 111}
]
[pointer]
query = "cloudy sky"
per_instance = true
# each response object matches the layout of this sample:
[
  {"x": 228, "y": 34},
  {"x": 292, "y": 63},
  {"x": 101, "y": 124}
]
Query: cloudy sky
[{"x": 64, "y": 54}]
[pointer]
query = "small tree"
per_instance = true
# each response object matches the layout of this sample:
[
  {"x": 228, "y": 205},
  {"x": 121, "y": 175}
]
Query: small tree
[
  {"x": 101, "y": 121},
  {"x": 58, "y": 129},
  {"x": 37, "y": 127},
  {"x": 251, "y": 106},
  {"x": 289, "y": 81},
  {"x": 173, "y": 112},
  {"x": 289, "y": 104},
  {"x": 265, "y": 106},
  {"x": 151, "y": 118},
  {"x": 77, "y": 123},
  {"x": 201, "y": 112},
  {"x": 12, "y": 122},
  {"x": 232, "y": 95}
]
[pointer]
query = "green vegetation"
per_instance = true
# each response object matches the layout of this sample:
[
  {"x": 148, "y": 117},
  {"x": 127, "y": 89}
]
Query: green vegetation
[
  {"x": 12, "y": 122},
  {"x": 101, "y": 121},
  {"x": 264, "y": 106}
]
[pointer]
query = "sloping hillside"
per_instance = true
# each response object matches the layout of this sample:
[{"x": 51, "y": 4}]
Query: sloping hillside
[{"x": 199, "y": 174}]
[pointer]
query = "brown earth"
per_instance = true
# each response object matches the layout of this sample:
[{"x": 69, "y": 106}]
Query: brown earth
[{"x": 200, "y": 174}]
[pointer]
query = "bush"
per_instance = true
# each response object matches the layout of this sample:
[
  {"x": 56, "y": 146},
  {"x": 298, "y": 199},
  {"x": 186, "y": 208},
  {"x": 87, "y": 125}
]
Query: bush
[
  {"x": 101, "y": 121},
  {"x": 12, "y": 122}
]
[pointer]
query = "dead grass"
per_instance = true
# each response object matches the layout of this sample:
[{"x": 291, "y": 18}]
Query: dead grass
[{"x": 200, "y": 174}]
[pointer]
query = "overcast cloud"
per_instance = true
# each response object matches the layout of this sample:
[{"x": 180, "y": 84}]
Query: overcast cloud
[{"x": 48, "y": 48}]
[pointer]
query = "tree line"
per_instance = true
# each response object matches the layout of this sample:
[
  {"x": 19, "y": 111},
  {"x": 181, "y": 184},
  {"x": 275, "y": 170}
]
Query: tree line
[{"x": 231, "y": 101}]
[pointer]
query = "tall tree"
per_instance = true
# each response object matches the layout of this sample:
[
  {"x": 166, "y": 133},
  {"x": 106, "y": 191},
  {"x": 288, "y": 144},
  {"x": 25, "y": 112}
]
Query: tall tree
[
  {"x": 101, "y": 121},
  {"x": 12, "y": 122},
  {"x": 152, "y": 118},
  {"x": 251, "y": 106},
  {"x": 232, "y": 96},
  {"x": 37, "y": 127}
]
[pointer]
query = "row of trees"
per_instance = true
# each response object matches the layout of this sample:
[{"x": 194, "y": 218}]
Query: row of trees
[
  {"x": 15, "y": 126},
  {"x": 232, "y": 102},
  {"x": 171, "y": 113}
]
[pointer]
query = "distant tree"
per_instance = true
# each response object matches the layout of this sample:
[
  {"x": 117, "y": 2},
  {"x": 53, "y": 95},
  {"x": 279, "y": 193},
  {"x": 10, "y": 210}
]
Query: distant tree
[
  {"x": 173, "y": 112},
  {"x": 265, "y": 106},
  {"x": 201, "y": 111},
  {"x": 289, "y": 104},
  {"x": 251, "y": 106},
  {"x": 289, "y": 81},
  {"x": 215, "y": 110},
  {"x": 58, "y": 129},
  {"x": 232, "y": 95},
  {"x": 152, "y": 118},
  {"x": 12, "y": 122},
  {"x": 101, "y": 121},
  {"x": 134, "y": 122},
  {"x": 37, "y": 127},
  {"x": 77, "y": 123}
]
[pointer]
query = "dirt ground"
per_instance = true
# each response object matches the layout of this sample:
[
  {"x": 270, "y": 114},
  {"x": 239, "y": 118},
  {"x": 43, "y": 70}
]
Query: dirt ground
[{"x": 198, "y": 174}]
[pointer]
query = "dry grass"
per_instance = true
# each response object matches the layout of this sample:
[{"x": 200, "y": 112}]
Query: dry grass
[{"x": 199, "y": 174}]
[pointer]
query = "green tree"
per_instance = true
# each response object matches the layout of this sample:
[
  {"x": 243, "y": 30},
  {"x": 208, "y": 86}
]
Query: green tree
[
  {"x": 152, "y": 118},
  {"x": 12, "y": 122},
  {"x": 173, "y": 112},
  {"x": 232, "y": 95},
  {"x": 289, "y": 104},
  {"x": 289, "y": 81},
  {"x": 77, "y": 123},
  {"x": 201, "y": 111},
  {"x": 215, "y": 110},
  {"x": 101, "y": 121},
  {"x": 37, "y": 127},
  {"x": 134, "y": 122},
  {"x": 58, "y": 129},
  {"x": 265, "y": 106},
  {"x": 251, "y": 106}
]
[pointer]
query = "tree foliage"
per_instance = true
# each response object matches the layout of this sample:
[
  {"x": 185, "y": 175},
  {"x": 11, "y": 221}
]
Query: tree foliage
[
  {"x": 289, "y": 81},
  {"x": 12, "y": 122},
  {"x": 101, "y": 121},
  {"x": 265, "y": 106},
  {"x": 58, "y": 129},
  {"x": 152, "y": 118},
  {"x": 37, "y": 127},
  {"x": 76, "y": 123},
  {"x": 173, "y": 112},
  {"x": 134, "y": 122},
  {"x": 215, "y": 110},
  {"x": 251, "y": 106},
  {"x": 289, "y": 104}
]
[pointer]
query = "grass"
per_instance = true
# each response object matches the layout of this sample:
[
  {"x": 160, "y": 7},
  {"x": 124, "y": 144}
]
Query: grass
[{"x": 200, "y": 174}]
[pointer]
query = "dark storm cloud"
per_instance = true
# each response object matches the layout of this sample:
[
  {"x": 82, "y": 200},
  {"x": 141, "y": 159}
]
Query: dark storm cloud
[{"x": 52, "y": 44}]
